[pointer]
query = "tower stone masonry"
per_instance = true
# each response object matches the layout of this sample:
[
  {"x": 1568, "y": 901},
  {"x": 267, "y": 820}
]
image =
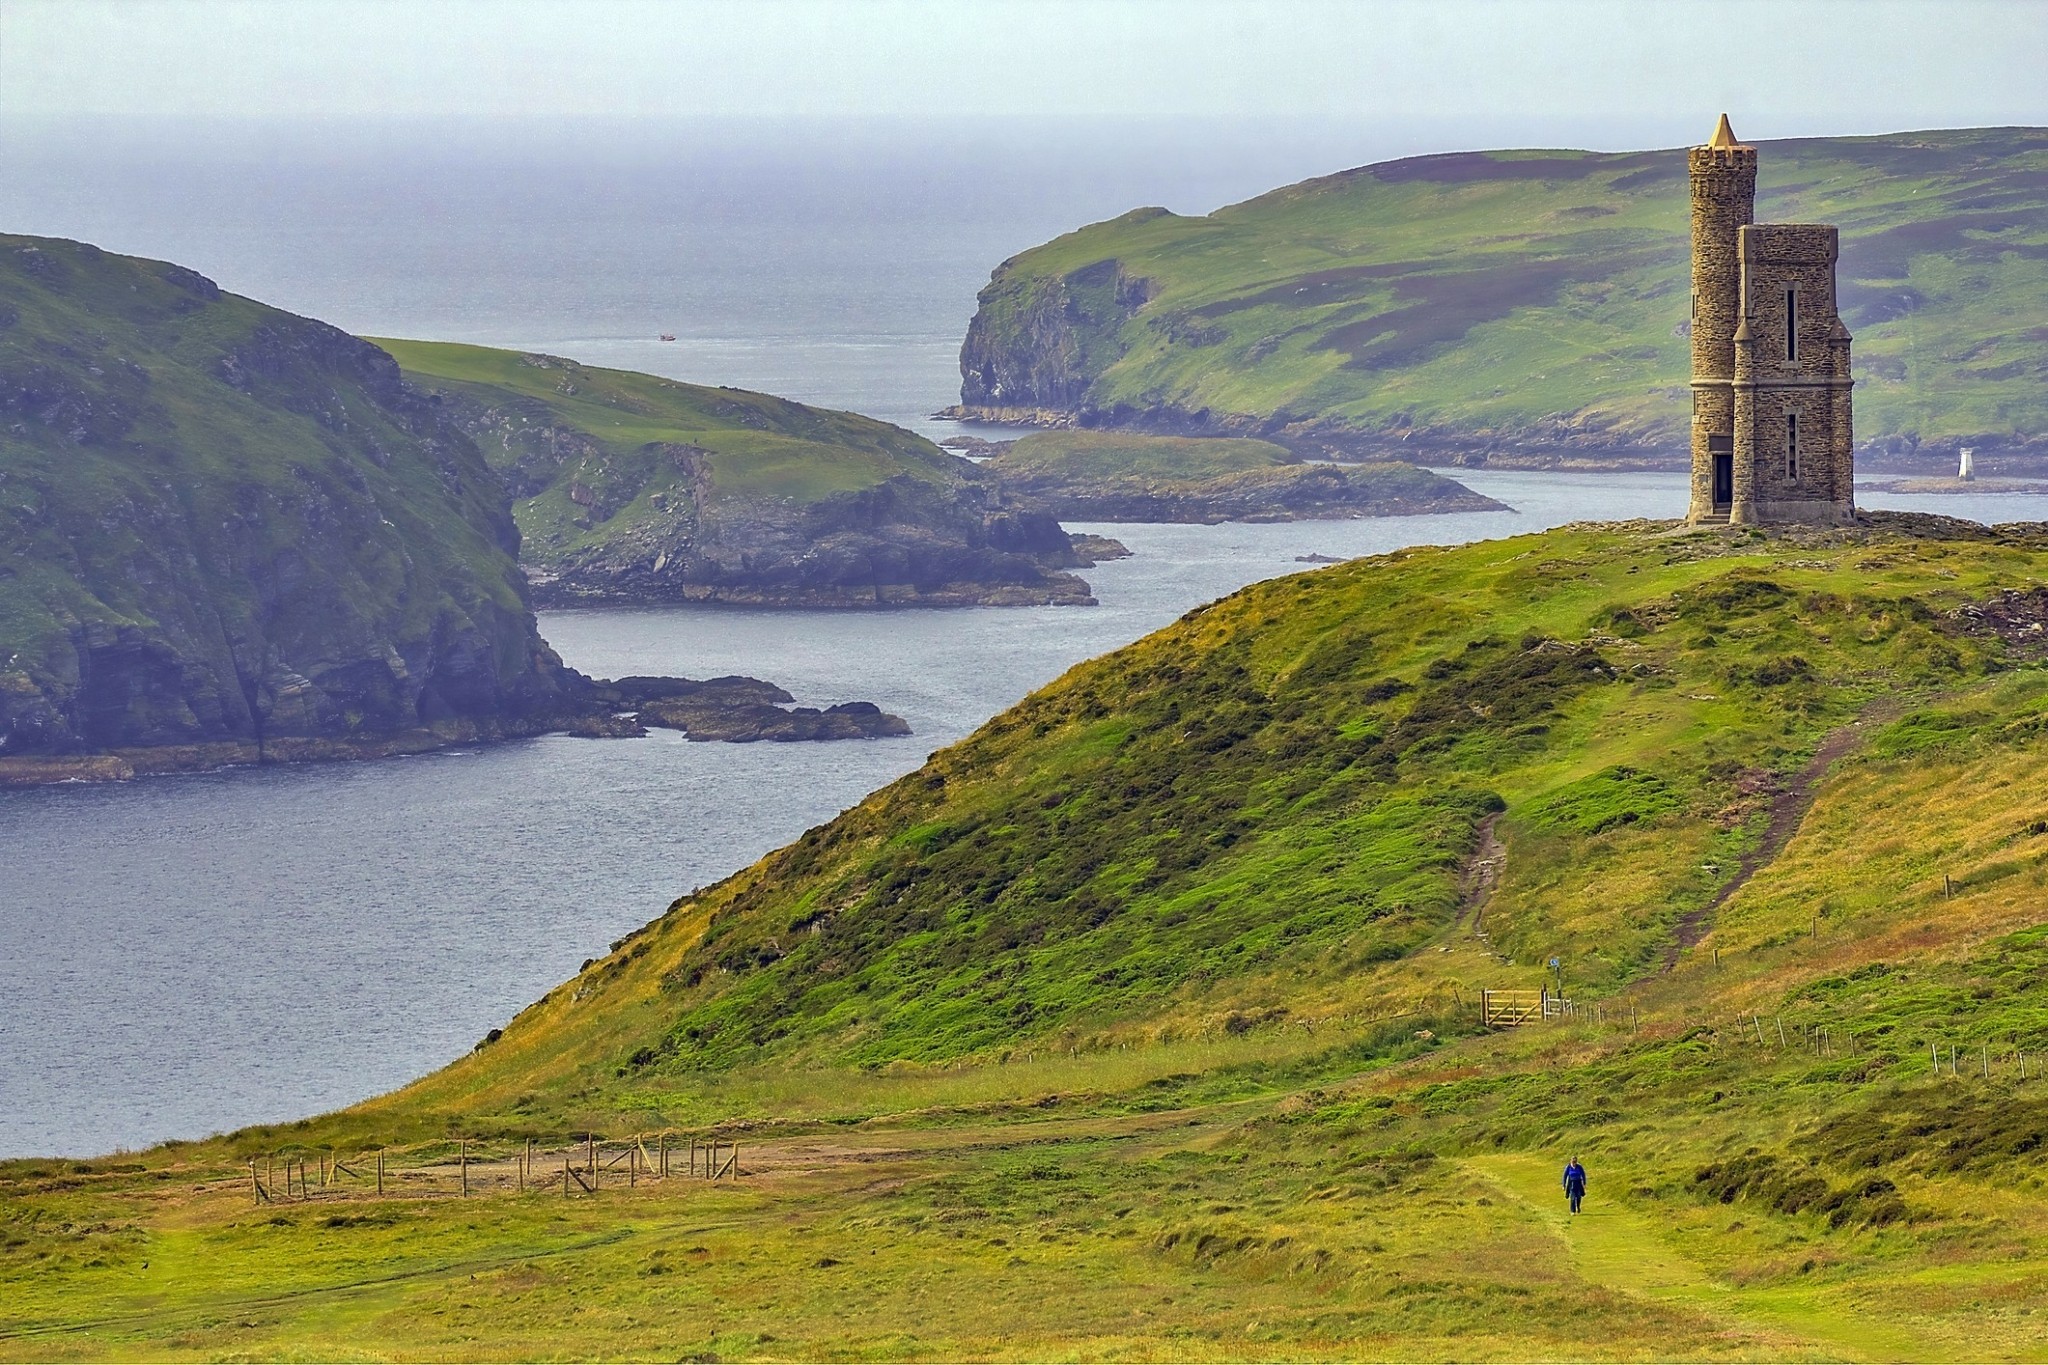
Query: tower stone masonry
[{"x": 1772, "y": 431}]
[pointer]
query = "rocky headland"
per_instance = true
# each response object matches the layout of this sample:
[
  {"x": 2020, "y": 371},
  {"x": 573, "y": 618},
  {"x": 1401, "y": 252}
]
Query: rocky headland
[
  {"x": 1528, "y": 309},
  {"x": 233, "y": 535},
  {"x": 630, "y": 488}
]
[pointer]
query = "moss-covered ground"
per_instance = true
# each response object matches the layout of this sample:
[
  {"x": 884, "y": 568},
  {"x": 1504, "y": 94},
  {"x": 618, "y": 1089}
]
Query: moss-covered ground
[{"x": 1142, "y": 1024}]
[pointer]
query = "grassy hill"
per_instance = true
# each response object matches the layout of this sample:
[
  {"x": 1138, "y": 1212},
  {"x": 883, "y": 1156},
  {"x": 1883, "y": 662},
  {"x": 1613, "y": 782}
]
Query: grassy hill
[
  {"x": 229, "y": 532},
  {"x": 1144, "y": 1023},
  {"x": 627, "y": 486},
  {"x": 1529, "y": 305},
  {"x": 1126, "y": 476}
]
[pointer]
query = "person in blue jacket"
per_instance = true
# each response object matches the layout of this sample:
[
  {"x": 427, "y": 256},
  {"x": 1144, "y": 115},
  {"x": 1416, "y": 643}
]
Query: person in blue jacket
[{"x": 1574, "y": 1182}]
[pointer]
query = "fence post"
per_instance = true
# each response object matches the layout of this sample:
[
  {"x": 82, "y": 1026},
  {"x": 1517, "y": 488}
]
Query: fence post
[
  {"x": 380, "y": 1171},
  {"x": 1779, "y": 1020},
  {"x": 565, "y": 1177},
  {"x": 590, "y": 1154},
  {"x": 462, "y": 1164},
  {"x": 255, "y": 1185}
]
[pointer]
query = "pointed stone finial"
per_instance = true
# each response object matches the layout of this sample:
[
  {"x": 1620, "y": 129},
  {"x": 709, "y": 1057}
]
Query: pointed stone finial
[{"x": 1724, "y": 136}]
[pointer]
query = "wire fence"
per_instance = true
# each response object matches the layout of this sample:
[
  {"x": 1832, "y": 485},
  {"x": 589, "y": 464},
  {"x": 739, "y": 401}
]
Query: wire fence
[{"x": 460, "y": 1168}]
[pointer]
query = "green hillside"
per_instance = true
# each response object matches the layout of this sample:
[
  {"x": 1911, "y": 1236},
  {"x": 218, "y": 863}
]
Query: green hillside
[
  {"x": 229, "y": 532},
  {"x": 1528, "y": 305},
  {"x": 1127, "y": 476},
  {"x": 631, "y": 487},
  {"x": 1143, "y": 1023}
]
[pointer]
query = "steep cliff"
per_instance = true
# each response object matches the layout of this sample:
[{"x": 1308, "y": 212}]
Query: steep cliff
[
  {"x": 633, "y": 488},
  {"x": 1529, "y": 307},
  {"x": 227, "y": 533}
]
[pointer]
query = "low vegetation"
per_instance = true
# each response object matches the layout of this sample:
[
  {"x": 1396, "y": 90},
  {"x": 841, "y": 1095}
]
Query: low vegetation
[
  {"x": 1124, "y": 476},
  {"x": 1143, "y": 1023}
]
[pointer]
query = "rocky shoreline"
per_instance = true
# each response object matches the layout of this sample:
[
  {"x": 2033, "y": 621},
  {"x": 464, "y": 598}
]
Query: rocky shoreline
[{"x": 733, "y": 710}]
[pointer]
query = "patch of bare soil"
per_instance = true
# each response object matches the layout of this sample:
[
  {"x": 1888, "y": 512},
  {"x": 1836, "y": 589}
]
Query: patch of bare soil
[
  {"x": 1481, "y": 872},
  {"x": 1788, "y": 807}
]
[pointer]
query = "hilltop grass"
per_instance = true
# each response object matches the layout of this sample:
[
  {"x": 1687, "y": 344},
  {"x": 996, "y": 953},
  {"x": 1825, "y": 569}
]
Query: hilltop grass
[
  {"x": 1530, "y": 297},
  {"x": 1300, "y": 1147}
]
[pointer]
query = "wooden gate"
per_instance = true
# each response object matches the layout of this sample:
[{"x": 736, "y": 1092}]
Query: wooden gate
[{"x": 1511, "y": 1009}]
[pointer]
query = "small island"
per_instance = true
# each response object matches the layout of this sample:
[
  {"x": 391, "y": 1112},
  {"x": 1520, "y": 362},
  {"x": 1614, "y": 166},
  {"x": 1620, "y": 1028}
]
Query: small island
[{"x": 1124, "y": 476}]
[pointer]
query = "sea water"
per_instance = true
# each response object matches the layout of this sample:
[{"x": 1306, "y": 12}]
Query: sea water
[{"x": 183, "y": 955}]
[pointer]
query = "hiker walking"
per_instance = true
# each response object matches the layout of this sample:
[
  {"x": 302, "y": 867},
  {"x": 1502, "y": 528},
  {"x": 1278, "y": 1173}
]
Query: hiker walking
[{"x": 1574, "y": 1182}]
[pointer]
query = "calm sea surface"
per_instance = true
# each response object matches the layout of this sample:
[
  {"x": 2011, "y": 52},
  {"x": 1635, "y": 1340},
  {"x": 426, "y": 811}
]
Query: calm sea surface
[{"x": 184, "y": 955}]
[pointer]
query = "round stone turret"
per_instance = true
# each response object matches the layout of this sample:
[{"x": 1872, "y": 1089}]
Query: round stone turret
[{"x": 1723, "y": 174}]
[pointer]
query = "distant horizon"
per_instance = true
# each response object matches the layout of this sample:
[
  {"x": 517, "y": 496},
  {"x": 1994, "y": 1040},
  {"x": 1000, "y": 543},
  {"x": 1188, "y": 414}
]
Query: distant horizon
[{"x": 1300, "y": 146}]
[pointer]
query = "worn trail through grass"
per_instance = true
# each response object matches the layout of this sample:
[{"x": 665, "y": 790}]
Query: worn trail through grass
[{"x": 1613, "y": 1246}]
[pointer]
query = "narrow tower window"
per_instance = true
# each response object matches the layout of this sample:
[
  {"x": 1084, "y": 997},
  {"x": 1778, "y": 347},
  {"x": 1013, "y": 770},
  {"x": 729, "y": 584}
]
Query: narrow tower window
[
  {"x": 1791, "y": 445},
  {"x": 1791, "y": 324}
]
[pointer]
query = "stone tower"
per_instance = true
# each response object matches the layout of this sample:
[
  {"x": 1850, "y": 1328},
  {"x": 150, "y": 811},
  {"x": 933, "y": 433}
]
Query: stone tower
[{"x": 1771, "y": 425}]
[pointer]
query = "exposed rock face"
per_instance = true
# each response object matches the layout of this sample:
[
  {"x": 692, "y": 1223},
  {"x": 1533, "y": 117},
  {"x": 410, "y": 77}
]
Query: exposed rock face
[
  {"x": 1038, "y": 341},
  {"x": 901, "y": 543},
  {"x": 231, "y": 533}
]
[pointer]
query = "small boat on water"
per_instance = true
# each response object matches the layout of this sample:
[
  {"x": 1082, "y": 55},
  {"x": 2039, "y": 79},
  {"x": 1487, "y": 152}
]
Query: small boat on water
[{"x": 668, "y": 336}]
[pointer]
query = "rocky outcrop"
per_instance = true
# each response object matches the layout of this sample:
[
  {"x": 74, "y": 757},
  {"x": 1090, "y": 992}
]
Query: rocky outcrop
[
  {"x": 904, "y": 542},
  {"x": 735, "y": 710},
  {"x": 1037, "y": 342}
]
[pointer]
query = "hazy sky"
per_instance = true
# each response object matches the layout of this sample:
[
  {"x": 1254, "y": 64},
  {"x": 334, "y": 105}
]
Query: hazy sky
[{"x": 1644, "y": 70}]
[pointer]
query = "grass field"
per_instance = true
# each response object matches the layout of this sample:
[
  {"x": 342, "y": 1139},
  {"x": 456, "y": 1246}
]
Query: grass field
[{"x": 1141, "y": 1024}]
